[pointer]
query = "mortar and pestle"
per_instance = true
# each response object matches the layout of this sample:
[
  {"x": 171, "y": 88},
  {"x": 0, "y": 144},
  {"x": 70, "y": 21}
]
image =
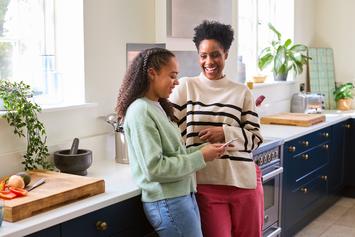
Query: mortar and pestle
[{"x": 73, "y": 161}]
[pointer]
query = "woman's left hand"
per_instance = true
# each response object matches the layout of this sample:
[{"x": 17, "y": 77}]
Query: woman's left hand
[{"x": 212, "y": 134}]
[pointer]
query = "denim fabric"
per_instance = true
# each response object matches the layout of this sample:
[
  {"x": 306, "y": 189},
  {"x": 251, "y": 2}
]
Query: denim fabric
[{"x": 174, "y": 217}]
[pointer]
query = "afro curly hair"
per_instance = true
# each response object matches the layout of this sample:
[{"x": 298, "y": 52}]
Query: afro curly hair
[{"x": 214, "y": 30}]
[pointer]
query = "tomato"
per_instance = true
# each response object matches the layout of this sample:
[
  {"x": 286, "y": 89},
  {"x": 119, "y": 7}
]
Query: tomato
[
  {"x": 18, "y": 191},
  {"x": 7, "y": 194}
]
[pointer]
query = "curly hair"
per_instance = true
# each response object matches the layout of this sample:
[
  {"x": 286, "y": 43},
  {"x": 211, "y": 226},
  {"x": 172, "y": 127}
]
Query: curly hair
[
  {"x": 136, "y": 82},
  {"x": 214, "y": 30}
]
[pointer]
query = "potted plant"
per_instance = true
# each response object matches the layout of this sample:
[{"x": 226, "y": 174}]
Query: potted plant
[
  {"x": 21, "y": 113},
  {"x": 343, "y": 95},
  {"x": 284, "y": 56}
]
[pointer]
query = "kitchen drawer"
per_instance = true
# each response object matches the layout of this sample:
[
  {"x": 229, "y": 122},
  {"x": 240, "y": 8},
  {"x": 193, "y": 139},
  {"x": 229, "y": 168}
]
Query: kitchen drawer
[
  {"x": 306, "y": 163},
  {"x": 53, "y": 231},
  {"x": 307, "y": 142},
  {"x": 303, "y": 200},
  {"x": 121, "y": 217}
]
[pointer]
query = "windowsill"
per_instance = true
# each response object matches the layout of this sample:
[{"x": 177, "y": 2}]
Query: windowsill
[
  {"x": 62, "y": 107},
  {"x": 272, "y": 83}
]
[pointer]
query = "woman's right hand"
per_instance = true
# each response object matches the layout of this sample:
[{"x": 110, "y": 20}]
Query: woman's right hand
[{"x": 212, "y": 151}]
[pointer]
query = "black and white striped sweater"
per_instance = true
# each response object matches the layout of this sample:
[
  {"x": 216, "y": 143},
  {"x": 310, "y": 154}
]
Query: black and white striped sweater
[{"x": 200, "y": 103}]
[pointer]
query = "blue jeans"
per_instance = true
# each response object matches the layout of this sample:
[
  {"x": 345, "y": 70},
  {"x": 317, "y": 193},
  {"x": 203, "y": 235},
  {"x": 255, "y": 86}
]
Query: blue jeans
[{"x": 174, "y": 217}]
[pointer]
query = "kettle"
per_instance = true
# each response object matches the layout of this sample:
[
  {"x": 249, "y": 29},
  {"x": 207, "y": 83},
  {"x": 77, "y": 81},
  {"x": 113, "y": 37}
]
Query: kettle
[{"x": 121, "y": 149}]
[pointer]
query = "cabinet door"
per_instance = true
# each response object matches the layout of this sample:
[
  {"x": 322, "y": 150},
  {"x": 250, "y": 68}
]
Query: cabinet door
[
  {"x": 336, "y": 165},
  {"x": 350, "y": 159},
  {"x": 110, "y": 221}
]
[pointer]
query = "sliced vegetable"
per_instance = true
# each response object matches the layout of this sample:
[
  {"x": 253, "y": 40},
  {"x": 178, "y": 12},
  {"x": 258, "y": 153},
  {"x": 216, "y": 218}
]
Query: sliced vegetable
[
  {"x": 7, "y": 194},
  {"x": 18, "y": 191}
]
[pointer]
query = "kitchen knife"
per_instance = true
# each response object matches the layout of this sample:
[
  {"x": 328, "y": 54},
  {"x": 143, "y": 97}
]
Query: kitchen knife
[{"x": 36, "y": 184}]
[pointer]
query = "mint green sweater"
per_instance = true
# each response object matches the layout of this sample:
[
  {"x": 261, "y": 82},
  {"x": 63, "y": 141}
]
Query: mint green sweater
[{"x": 160, "y": 163}]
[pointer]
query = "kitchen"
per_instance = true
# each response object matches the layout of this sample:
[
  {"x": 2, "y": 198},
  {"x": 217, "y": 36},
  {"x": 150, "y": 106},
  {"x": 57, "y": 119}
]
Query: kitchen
[{"x": 317, "y": 23}]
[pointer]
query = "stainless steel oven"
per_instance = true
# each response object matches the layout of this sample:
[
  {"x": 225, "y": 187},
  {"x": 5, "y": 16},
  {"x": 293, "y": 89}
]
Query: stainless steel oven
[{"x": 269, "y": 158}]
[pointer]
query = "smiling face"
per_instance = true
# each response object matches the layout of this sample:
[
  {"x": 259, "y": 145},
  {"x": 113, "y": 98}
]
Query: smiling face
[
  {"x": 212, "y": 58},
  {"x": 163, "y": 81}
]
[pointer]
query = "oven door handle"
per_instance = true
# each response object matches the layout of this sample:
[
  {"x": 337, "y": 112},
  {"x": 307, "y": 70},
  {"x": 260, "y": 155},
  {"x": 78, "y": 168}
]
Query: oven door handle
[
  {"x": 275, "y": 232},
  {"x": 272, "y": 174}
]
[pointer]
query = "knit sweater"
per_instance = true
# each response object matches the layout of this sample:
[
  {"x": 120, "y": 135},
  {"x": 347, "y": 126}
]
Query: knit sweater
[
  {"x": 200, "y": 103},
  {"x": 160, "y": 163}
]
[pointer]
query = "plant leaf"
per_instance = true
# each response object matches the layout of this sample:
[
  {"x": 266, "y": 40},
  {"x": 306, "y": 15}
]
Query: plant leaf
[{"x": 275, "y": 31}]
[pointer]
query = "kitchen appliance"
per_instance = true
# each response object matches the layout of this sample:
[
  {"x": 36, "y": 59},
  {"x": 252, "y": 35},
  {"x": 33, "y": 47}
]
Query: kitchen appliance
[
  {"x": 308, "y": 103},
  {"x": 121, "y": 149},
  {"x": 269, "y": 158}
]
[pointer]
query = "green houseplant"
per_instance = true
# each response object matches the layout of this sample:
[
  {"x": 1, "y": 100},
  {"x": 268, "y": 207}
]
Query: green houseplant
[
  {"x": 21, "y": 114},
  {"x": 283, "y": 55},
  {"x": 343, "y": 95}
]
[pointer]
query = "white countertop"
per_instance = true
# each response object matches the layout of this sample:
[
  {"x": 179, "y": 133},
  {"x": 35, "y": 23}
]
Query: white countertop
[
  {"x": 291, "y": 132},
  {"x": 120, "y": 185}
]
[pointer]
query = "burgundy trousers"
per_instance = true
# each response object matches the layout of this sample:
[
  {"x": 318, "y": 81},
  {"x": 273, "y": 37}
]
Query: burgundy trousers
[{"x": 228, "y": 211}]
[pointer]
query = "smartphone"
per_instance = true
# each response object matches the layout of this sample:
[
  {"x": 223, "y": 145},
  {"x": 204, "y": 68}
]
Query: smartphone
[{"x": 229, "y": 142}]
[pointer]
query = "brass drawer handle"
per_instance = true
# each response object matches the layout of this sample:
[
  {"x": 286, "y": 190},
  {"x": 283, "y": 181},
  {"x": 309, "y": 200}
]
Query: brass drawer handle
[
  {"x": 101, "y": 225},
  {"x": 324, "y": 177},
  {"x": 326, "y": 135},
  {"x": 304, "y": 190},
  {"x": 347, "y": 126},
  {"x": 326, "y": 146},
  {"x": 305, "y": 157},
  {"x": 305, "y": 143},
  {"x": 292, "y": 149}
]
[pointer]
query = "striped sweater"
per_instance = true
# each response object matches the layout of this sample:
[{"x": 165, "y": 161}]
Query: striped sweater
[{"x": 199, "y": 103}]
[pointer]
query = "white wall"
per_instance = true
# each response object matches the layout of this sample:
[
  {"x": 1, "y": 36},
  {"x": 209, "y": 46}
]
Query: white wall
[
  {"x": 335, "y": 29},
  {"x": 305, "y": 27},
  {"x": 109, "y": 25}
]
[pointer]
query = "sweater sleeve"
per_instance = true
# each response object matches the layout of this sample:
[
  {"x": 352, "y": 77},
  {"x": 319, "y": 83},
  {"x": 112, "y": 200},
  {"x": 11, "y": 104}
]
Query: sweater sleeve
[
  {"x": 178, "y": 99},
  {"x": 157, "y": 166},
  {"x": 248, "y": 134}
]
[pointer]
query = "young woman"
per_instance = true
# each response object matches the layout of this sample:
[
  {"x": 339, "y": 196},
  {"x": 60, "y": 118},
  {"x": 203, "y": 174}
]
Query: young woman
[
  {"x": 161, "y": 165},
  {"x": 212, "y": 108}
]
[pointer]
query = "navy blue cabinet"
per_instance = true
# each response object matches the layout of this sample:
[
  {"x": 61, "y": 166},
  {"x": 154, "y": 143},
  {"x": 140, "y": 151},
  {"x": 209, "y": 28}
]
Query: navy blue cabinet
[
  {"x": 349, "y": 179},
  {"x": 124, "y": 219},
  {"x": 53, "y": 231},
  {"x": 340, "y": 139},
  {"x": 305, "y": 179}
]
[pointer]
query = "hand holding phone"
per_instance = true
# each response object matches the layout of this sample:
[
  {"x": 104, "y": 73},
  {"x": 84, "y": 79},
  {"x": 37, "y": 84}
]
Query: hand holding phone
[{"x": 229, "y": 142}]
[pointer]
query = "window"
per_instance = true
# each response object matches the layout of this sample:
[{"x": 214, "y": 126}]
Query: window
[
  {"x": 253, "y": 32},
  {"x": 34, "y": 48}
]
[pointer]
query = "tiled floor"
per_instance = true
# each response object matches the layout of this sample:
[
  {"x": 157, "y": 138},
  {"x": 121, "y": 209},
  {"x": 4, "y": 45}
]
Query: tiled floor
[{"x": 337, "y": 221}]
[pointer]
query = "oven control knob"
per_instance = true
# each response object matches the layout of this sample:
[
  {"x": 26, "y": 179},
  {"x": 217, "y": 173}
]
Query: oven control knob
[
  {"x": 269, "y": 157},
  {"x": 265, "y": 159},
  {"x": 260, "y": 161},
  {"x": 266, "y": 218}
]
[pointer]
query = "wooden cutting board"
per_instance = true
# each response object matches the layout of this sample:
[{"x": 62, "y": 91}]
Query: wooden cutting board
[
  {"x": 58, "y": 189},
  {"x": 295, "y": 119}
]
